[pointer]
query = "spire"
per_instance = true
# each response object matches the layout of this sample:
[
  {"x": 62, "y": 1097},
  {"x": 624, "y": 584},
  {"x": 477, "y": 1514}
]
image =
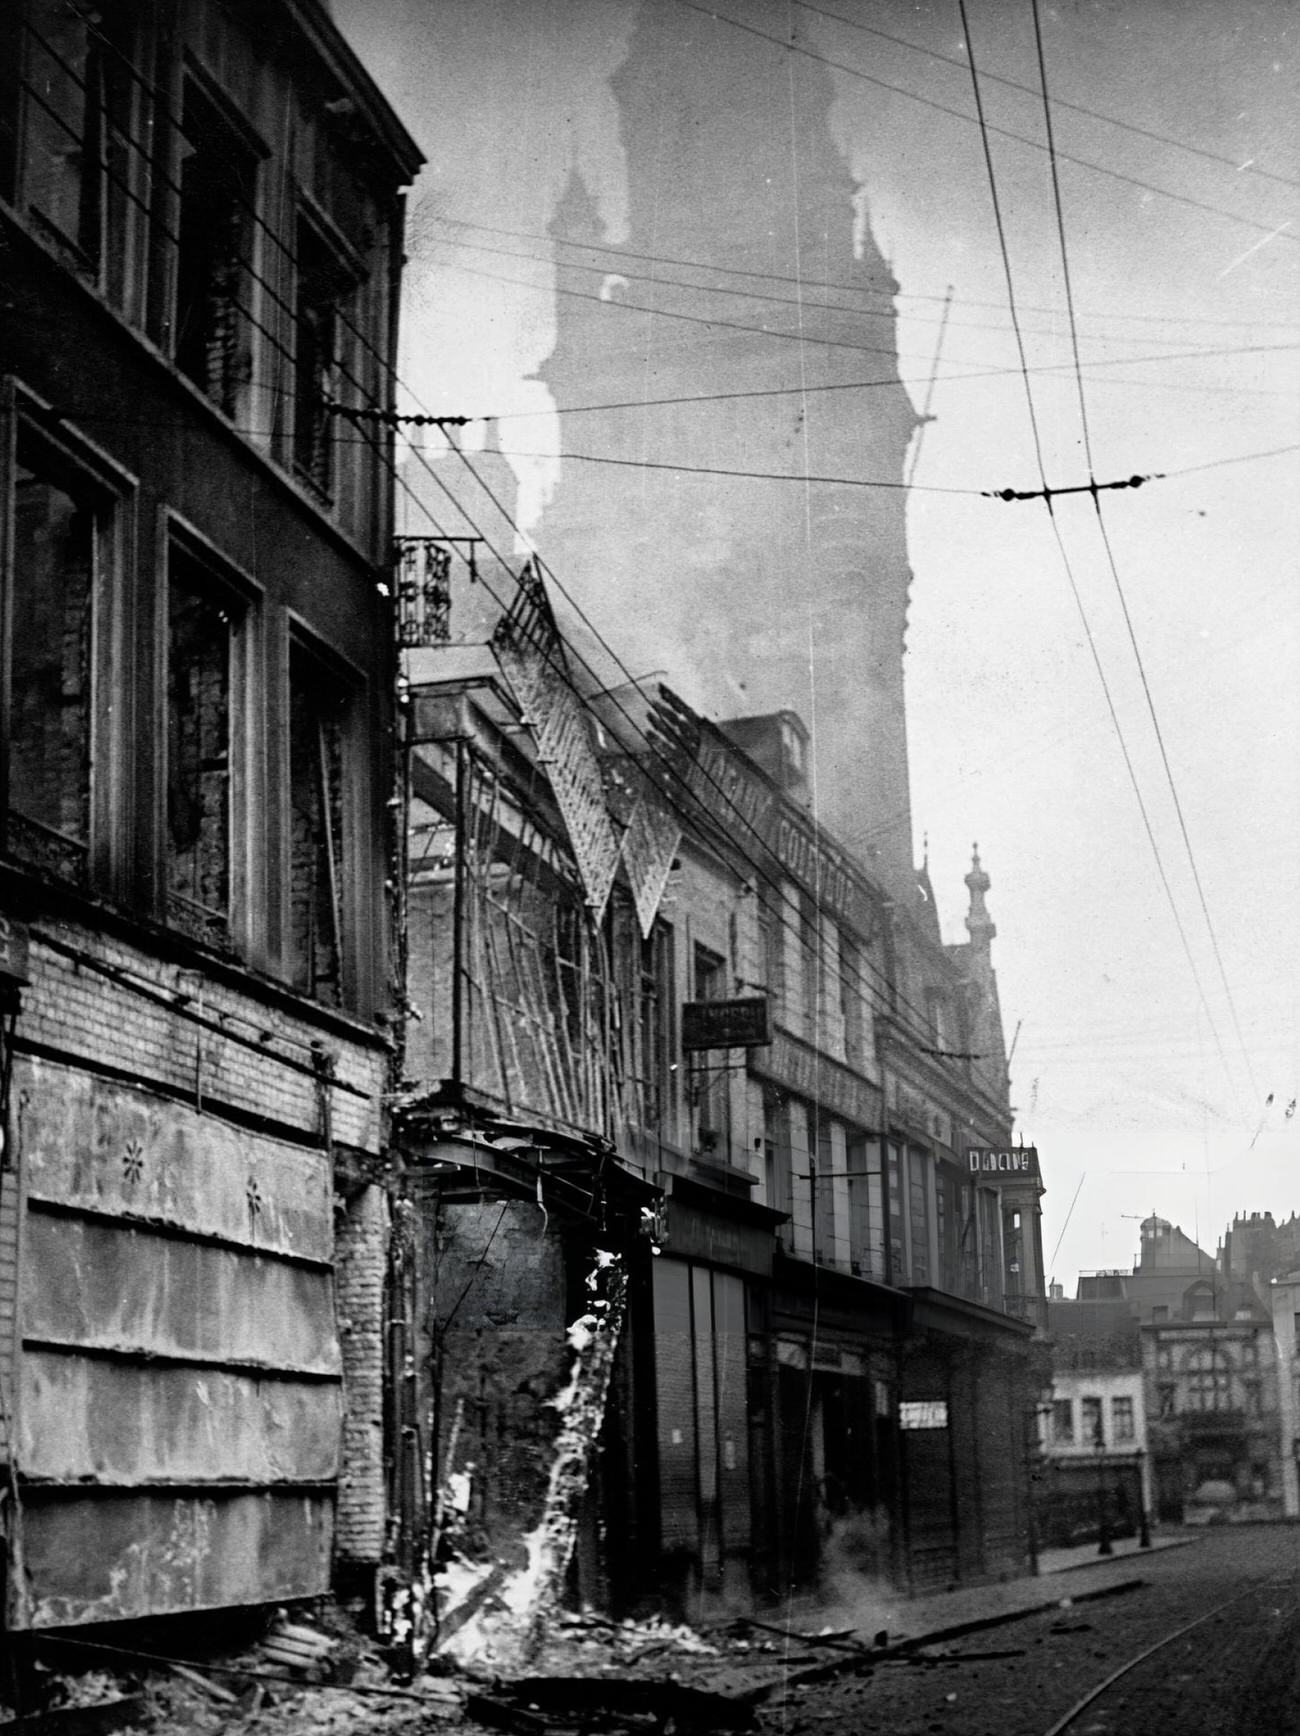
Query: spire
[{"x": 979, "y": 924}]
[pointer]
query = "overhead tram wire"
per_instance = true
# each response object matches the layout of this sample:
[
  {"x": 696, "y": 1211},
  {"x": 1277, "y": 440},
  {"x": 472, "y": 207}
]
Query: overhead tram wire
[
  {"x": 959, "y": 114},
  {"x": 770, "y": 299},
  {"x": 857, "y": 979},
  {"x": 1110, "y": 557},
  {"x": 715, "y": 323},
  {"x": 1065, "y": 559},
  {"x": 1074, "y": 107},
  {"x": 873, "y": 286}
]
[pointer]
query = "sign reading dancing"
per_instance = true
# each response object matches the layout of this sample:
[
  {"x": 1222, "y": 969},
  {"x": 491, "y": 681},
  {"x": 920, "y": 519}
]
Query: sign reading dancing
[{"x": 528, "y": 647}]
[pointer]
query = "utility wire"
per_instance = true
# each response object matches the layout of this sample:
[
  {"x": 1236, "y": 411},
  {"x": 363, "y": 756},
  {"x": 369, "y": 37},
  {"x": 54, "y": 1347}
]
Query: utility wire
[
  {"x": 1110, "y": 557},
  {"x": 715, "y": 323},
  {"x": 1060, "y": 544},
  {"x": 1074, "y": 107},
  {"x": 768, "y": 298},
  {"x": 873, "y": 286},
  {"x": 984, "y": 125},
  {"x": 893, "y": 995}
]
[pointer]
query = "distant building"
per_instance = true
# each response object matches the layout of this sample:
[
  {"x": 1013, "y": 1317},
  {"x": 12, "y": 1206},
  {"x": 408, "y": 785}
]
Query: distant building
[
  {"x": 1210, "y": 1371},
  {"x": 1096, "y": 1475},
  {"x": 201, "y": 227}
]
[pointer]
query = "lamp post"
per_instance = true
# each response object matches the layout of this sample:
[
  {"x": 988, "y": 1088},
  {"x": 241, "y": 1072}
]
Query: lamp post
[
  {"x": 1144, "y": 1524},
  {"x": 1104, "y": 1545}
]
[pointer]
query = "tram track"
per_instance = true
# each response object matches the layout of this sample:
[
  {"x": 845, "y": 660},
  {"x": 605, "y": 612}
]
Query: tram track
[{"x": 1075, "y": 1712}]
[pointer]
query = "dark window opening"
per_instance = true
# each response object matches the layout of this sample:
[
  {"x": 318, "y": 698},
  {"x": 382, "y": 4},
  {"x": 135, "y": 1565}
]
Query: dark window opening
[
  {"x": 218, "y": 186},
  {"x": 58, "y": 523},
  {"x": 78, "y": 94},
  {"x": 810, "y": 962},
  {"x": 1092, "y": 1427},
  {"x": 853, "y": 1001},
  {"x": 199, "y": 646},
  {"x": 1063, "y": 1421},
  {"x": 823, "y": 1205},
  {"x": 918, "y": 1172},
  {"x": 323, "y": 286},
  {"x": 317, "y": 721},
  {"x": 710, "y": 1076}
]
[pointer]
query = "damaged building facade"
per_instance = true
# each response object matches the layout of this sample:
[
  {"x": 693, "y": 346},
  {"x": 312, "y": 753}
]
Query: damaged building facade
[
  {"x": 658, "y": 1014},
  {"x": 202, "y": 242}
]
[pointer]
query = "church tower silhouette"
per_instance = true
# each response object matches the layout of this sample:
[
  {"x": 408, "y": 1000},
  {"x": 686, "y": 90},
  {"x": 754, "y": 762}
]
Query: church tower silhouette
[{"x": 745, "y": 322}]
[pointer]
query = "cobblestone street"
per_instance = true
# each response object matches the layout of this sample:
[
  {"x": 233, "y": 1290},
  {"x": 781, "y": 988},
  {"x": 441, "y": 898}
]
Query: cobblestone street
[{"x": 1237, "y": 1671}]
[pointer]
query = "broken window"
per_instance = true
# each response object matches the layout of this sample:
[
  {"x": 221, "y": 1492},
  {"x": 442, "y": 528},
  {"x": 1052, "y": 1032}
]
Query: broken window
[
  {"x": 76, "y": 75},
  {"x": 199, "y": 649},
  {"x": 318, "y": 715},
  {"x": 59, "y": 528},
  {"x": 324, "y": 285},
  {"x": 218, "y": 184}
]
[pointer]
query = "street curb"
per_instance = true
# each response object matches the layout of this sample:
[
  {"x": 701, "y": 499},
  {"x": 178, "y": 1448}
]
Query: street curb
[{"x": 1109, "y": 1560}]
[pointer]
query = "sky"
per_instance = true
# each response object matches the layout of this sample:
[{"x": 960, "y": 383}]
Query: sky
[{"x": 1148, "y": 944}]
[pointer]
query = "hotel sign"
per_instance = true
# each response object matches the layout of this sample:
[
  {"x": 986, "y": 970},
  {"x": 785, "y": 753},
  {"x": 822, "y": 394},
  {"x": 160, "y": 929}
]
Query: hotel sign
[{"x": 989, "y": 1164}]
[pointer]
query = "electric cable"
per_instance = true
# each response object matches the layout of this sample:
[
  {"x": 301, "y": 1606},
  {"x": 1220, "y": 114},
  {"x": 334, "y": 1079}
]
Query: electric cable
[
  {"x": 958, "y": 114},
  {"x": 715, "y": 323},
  {"x": 872, "y": 286},
  {"x": 1065, "y": 559},
  {"x": 1075, "y": 107},
  {"x": 1110, "y": 556}
]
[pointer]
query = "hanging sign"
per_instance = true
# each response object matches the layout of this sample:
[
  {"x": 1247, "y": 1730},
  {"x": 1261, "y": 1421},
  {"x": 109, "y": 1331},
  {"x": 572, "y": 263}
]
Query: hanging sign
[
  {"x": 923, "y": 1413},
  {"x": 988, "y": 1164},
  {"x": 649, "y": 848},
  {"x": 740, "y": 1024},
  {"x": 528, "y": 647}
]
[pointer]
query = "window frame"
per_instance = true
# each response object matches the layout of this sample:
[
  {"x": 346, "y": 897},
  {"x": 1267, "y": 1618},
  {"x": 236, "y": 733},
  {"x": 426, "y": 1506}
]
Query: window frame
[
  {"x": 250, "y": 313},
  {"x": 110, "y": 708},
  {"x": 352, "y": 276},
  {"x": 229, "y": 585},
  {"x": 355, "y": 870}
]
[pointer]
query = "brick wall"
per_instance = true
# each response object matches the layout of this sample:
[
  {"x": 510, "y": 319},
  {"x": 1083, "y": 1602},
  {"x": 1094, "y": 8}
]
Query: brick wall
[
  {"x": 361, "y": 1256},
  {"x": 499, "y": 1298},
  {"x": 8, "y": 1297},
  {"x": 75, "y": 1008}
]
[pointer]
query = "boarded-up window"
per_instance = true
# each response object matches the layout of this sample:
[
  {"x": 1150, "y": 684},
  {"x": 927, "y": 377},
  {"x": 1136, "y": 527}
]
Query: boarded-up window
[
  {"x": 218, "y": 180},
  {"x": 59, "y": 523},
  {"x": 199, "y": 645},
  {"x": 317, "y": 728}
]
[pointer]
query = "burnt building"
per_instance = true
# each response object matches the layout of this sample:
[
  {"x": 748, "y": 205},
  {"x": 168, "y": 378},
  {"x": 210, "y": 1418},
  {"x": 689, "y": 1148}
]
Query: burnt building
[
  {"x": 202, "y": 239},
  {"x": 661, "y": 1017}
]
